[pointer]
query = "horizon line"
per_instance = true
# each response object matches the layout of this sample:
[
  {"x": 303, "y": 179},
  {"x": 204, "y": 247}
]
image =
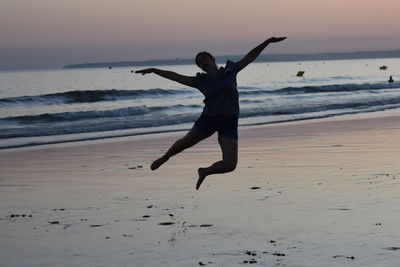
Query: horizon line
[{"x": 273, "y": 57}]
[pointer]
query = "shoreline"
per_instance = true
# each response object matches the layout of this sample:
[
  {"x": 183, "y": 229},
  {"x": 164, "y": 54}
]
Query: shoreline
[{"x": 146, "y": 135}]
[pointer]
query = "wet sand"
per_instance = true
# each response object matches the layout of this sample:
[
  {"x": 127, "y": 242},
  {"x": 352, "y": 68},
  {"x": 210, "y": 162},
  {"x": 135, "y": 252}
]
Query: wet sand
[{"x": 315, "y": 193}]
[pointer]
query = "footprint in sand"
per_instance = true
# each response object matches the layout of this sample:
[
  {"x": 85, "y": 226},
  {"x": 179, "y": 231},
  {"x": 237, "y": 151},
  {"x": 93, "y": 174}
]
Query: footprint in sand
[{"x": 166, "y": 223}]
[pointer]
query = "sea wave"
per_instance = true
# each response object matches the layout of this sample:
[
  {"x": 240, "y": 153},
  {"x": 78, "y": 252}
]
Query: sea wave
[
  {"x": 93, "y": 114},
  {"x": 99, "y": 125},
  {"x": 156, "y": 116},
  {"x": 88, "y": 96},
  {"x": 325, "y": 89},
  {"x": 283, "y": 104},
  {"x": 91, "y": 96}
]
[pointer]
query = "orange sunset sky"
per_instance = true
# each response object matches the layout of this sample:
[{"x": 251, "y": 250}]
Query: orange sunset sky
[{"x": 53, "y": 33}]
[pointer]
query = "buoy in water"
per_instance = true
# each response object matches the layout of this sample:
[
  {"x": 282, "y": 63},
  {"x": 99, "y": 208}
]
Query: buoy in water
[{"x": 300, "y": 73}]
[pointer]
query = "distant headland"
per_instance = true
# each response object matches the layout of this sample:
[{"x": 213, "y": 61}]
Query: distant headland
[{"x": 262, "y": 58}]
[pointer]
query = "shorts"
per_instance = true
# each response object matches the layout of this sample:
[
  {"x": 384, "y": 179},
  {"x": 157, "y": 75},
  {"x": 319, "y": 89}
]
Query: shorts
[{"x": 226, "y": 126}]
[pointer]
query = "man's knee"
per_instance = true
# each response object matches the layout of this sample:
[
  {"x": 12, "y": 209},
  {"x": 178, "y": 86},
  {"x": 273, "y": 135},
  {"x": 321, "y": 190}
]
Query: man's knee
[
  {"x": 184, "y": 143},
  {"x": 231, "y": 165}
]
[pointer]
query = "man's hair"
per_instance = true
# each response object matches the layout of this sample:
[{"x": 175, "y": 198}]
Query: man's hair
[{"x": 203, "y": 53}]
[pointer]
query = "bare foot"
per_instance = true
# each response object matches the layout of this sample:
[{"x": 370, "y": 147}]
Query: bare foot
[
  {"x": 157, "y": 163},
  {"x": 202, "y": 176}
]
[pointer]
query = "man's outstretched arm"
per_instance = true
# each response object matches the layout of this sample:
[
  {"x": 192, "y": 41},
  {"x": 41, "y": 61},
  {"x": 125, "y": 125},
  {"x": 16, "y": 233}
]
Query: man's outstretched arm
[
  {"x": 253, "y": 54},
  {"x": 173, "y": 76}
]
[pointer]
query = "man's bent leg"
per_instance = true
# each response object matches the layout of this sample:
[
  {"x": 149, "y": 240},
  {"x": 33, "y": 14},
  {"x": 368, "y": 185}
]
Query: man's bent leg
[
  {"x": 229, "y": 147},
  {"x": 190, "y": 139}
]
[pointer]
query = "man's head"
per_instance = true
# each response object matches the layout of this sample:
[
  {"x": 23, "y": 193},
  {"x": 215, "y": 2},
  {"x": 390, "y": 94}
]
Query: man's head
[{"x": 204, "y": 60}]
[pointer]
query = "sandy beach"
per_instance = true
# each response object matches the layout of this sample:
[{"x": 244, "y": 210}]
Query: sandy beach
[{"x": 312, "y": 193}]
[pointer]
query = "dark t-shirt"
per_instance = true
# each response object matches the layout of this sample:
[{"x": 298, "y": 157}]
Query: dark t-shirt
[{"x": 220, "y": 90}]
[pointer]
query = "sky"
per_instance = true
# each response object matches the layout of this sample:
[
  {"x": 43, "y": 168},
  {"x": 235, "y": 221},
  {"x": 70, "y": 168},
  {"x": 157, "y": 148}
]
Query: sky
[{"x": 54, "y": 33}]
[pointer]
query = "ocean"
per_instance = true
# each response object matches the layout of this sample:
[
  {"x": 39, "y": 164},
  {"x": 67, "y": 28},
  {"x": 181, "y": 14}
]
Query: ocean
[{"x": 64, "y": 105}]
